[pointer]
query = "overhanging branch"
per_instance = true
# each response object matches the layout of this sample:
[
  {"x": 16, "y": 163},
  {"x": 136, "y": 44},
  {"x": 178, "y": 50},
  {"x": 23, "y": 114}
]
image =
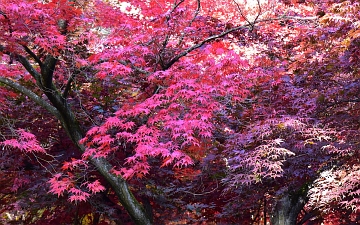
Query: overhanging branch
[
  {"x": 26, "y": 64},
  {"x": 32, "y": 54},
  {"x": 68, "y": 86},
  {"x": 31, "y": 95},
  {"x": 222, "y": 34}
]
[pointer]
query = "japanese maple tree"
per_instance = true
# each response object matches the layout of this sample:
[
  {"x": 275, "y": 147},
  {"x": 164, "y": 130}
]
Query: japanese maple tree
[{"x": 230, "y": 111}]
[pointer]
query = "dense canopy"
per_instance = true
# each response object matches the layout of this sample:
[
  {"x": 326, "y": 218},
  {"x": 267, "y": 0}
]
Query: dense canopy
[{"x": 179, "y": 112}]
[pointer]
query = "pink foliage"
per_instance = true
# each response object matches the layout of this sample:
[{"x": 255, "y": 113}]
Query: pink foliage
[
  {"x": 267, "y": 95},
  {"x": 25, "y": 142}
]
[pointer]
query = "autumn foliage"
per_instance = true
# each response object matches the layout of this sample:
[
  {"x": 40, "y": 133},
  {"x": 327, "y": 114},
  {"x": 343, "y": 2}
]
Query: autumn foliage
[{"x": 179, "y": 112}]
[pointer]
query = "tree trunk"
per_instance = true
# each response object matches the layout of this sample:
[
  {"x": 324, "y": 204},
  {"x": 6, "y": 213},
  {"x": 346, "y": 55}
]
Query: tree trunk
[
  {"x": 62, "y": 111},
  {"x": 119, "y": 185},
  {"x": 288, "y": 208}
]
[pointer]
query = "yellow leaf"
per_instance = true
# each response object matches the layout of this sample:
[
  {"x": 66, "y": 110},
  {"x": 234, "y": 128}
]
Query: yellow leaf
[
  {"x": 346, "y": 42},
  {"x": 134, "y": 94}
]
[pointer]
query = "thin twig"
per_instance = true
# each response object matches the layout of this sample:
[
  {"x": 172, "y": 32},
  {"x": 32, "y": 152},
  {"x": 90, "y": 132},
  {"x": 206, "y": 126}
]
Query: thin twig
[
  {"x": 259, "y": 12},
  {"x": 242, "y": 14},
  {"x": 197, "y": 11},
  {"x": 205, "y": 193}
]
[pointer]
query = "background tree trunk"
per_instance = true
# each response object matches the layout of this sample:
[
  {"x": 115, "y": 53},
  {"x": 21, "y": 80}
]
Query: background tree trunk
[{"x": 288, "y": 208}]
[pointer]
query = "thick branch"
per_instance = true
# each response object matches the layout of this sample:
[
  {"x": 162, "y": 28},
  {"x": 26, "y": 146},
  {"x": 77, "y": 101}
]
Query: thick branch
[
  {"x": 127, "y": 199},
  {"x": 26, "y": 64},
  {"x": 222, "y": 34},
  {"x": 47, "y": 71},
  {"x": 176, "y": 4},
  {"x": 74, "y": 131},
  {"x": 32, "y": 54},
  {"x": 68, "y": 86},
  {"x": 31, "y": 95},
  {"x": 206, "y": 40}
]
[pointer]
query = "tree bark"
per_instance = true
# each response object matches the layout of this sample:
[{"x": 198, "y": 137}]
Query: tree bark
[
  {"x": 72, "y": 127},
  {"x": 288, "y": 208}
]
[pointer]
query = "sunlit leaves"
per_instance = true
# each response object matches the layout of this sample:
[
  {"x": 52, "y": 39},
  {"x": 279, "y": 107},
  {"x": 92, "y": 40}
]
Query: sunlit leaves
[
  {"x": 25, "y": 141},
  {"x": 338, "y": 186},
  {"x": 273, "y": 103},
  {"x": 77, "y": 195},
  {"x": 60, "y": 185},
  {"x": 95, "y": 187}
]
